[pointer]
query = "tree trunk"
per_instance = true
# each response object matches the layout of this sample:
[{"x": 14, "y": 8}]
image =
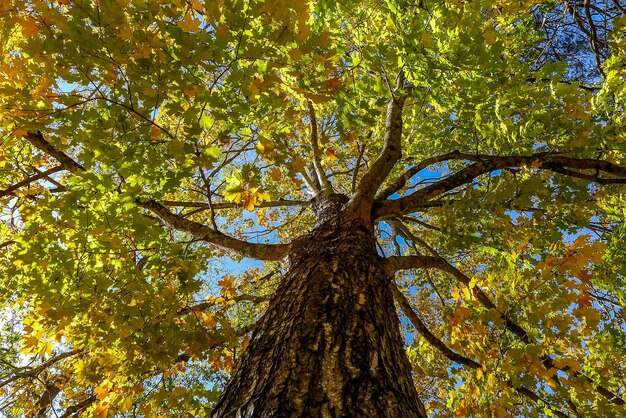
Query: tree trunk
[{"x": 329, "y": 344}]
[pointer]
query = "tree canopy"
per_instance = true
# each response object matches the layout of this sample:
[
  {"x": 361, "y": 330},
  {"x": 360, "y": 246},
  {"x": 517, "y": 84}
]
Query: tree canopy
[{"x": 151, "y": 149}]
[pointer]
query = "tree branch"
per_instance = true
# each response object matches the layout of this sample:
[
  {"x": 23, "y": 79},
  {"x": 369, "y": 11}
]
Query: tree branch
[
  {"x": 231, "y": 205},
  {"x": 395, "y": 263},
  {"x": 408, "y": 311},
  {"x": 407, "y": 262},
  {"x": 488, "y": 163},
  {"x": 40, "y": 143},
  {"x": 79, "y": 406},
  {"x": 401, "y": 181},
  {"x": 204, "y": 233},
  {"x": 355, "y": 173},
  {"x": 34, "y": 371},
  {"x": 361, "y": 202},
  {"x": 326, "y": 187},
  {"x": 9, "y": 190}
]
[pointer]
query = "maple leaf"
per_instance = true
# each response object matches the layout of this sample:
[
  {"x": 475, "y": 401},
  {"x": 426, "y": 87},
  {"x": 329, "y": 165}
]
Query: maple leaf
[
  {"x": 189, "y": 23},
  {"x": 333, "y": 84},
  {"x": 29, "y": 27}
]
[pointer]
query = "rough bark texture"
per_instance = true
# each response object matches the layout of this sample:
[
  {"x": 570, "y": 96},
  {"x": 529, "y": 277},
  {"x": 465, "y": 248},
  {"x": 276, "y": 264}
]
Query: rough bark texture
[{"x": 329, "y": 344}]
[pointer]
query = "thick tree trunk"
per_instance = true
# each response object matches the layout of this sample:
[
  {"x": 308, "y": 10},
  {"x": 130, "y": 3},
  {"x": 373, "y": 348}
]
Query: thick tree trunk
[{"x": 329, "y": 344}]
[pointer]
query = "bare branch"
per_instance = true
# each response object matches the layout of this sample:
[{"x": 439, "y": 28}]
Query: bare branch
[
  {"x": 355, "y": 174},
  {"x": 312, "y": 186},
  {"x": 203, "y": 232},
  {"x": 408, "y": 311}
]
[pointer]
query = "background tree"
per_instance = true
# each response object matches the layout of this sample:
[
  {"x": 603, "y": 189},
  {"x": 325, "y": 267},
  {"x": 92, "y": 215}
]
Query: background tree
[{"x": 466, "y": 159}]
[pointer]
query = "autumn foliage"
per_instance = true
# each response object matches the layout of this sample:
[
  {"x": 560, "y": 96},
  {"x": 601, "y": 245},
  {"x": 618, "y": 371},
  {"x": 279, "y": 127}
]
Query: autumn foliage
[{"x": 159, "y": 159}]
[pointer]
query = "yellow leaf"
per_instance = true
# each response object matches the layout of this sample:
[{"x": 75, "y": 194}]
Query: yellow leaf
[
  {"x": 456, "y": 296},
  {"x": 490, "y": 36},
  {"x": 330, "y": 153},
  {"x": 209, "y": 320},
  {"x": 250, "y": 202},
  {"x": 264, "y": 145},
  {"x": 101, "y": 410},
  {"x": 29, "y": 344}
]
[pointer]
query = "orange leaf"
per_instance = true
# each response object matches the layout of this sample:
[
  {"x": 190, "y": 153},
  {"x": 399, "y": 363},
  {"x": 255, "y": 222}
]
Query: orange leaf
[
  {"x": 330, "y": 153},
  {"x": 221, "y": 32},
  {"x": 29, "y": 27},
  {"x": 333, "y": 84}
]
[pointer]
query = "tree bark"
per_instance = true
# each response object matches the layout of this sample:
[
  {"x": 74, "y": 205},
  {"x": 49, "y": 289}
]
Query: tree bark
[{"x": 329, "y": 344}]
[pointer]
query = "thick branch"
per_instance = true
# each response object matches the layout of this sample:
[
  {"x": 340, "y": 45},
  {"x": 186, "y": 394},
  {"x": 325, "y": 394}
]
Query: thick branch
[
  {"x": 395, "y": 263},
  {"x": 401, "y": 181},
  {"x": 231, "y": 205},
  {"x": 361, "y": 203},
  {"x": 488, "y": 163},
  {"x": 326, "y": 187},
  {"x": 40, "y": 143},
  {"x": 203, "y": 232},
  {"x": 51, "y": 391}
]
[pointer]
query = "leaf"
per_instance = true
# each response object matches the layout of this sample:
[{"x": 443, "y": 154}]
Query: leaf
[
  {"x": 221, "y": 32},
  {"x": 298, "y": 164},
  {"x": 29, "y": 27},
  {"x": 189, "y": 23},
  {"x": 333, "y": 84},
  {"x": 330, "y": 154},
  {"x": 275, "y": 174},
  {"x": 155, "y": 132},
  {"x": 101, "y": 411},
  {"x": 490, "y": 36}
]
